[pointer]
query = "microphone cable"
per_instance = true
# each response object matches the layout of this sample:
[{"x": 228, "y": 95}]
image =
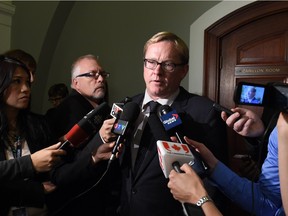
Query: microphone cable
[{"x": 58, "y": 211}]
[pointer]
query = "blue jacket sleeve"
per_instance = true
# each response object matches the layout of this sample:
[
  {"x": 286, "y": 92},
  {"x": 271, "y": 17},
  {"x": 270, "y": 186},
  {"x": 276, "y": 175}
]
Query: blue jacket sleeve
[{"x": 262, "y": 197}]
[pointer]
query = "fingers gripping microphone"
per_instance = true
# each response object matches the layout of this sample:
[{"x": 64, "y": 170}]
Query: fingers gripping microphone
[
  {"x": 122, "y": 125},
  {"x": 172, "y": 122},
  {"x": 87, "y": 126}
]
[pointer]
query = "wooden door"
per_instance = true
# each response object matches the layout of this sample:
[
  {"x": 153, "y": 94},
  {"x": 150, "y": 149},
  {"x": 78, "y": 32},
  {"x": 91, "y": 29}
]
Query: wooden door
[{"x": 250, "y": 45}]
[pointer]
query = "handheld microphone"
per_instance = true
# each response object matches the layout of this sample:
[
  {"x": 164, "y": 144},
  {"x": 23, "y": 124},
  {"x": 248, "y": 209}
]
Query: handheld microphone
[
  {"x": 172, "y": 154},
  {"x": 172, "y": 122},
  {"x": 117, "y": 108},
  {"x": 122, "y": 125},
  {"x": 87, "y": 126}
]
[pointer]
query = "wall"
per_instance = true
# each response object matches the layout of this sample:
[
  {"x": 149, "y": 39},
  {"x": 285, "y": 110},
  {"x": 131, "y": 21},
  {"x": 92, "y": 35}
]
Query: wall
[
  {"x": 197, "y": 29},
  {"x": 115, "y": 31},
  {"x": 6, "y": 12}
]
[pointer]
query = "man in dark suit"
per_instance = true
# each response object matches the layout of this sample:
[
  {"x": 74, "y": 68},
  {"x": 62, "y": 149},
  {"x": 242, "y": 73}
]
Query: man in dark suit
[
  {"x": 89, "y": 90},
  {"x": 145, "y": 191},
  {"x": 251, "y": 96}
]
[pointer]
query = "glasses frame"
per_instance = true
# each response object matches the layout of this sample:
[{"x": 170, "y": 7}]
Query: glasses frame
[
  {"x": 95, "y": 74},
  {"x": 162, "y": 65}
]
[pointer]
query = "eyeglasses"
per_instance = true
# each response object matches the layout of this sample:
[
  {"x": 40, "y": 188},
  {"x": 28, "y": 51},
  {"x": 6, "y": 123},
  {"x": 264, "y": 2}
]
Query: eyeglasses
[
  {"x": 95, "y": 74},
  {"x": 166, "y": 66}
]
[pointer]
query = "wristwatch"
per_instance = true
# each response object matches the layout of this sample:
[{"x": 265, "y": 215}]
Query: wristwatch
[{"x": 203, "y": 200}]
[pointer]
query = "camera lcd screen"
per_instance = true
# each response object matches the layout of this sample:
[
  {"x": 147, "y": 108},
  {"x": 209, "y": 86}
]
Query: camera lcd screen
[{"x": 250, "y": 94}]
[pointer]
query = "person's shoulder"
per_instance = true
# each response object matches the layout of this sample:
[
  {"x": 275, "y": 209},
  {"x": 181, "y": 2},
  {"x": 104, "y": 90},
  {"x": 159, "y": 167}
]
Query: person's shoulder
[
  {"x": 74, "y": 101},
  {"x": 73, "y": 97},
  {"x": 186, "y": 93},
  {"x": 137, "y": 98},
  {"x": 193, "y": 98},
  {"x": 195, "y": 105}
]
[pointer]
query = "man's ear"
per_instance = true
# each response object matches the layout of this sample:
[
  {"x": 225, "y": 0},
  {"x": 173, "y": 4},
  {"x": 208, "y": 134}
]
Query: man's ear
[
  {"x": 74, "y": 83},
  {"x": 185, "y": 70}
]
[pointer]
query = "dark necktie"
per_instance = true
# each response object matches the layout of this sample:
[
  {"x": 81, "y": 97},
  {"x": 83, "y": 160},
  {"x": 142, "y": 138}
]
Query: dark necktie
[{"x": 146, "y": 137}]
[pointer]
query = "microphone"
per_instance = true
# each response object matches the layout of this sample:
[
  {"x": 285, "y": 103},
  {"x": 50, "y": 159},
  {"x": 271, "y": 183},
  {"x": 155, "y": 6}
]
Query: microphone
[
  {"x": 117, "y": 108},
  {"x": 86, "y": 127},
  {"x": 122, "y": 125},
  {"x": 172, "y": 122},
  {"x": 171, "y": 154}
]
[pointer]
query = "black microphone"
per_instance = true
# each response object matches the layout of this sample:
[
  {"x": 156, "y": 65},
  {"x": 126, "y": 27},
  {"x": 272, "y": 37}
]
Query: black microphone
[
  {"x": 172, "y": 122},
  {"x": 86, "y": 127},
  {"x": 122, "y": 125}
]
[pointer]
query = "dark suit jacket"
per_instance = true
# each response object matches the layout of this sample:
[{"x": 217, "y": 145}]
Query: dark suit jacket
[
  {"x": 80, "y": 176},
  {"x": 77, "y": 174},
  {"x": 147, "y": 192},
  {"x": 19, "y": 168}
]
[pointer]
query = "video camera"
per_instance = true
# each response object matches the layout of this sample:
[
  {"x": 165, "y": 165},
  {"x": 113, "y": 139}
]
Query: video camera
[{"x": 274, "y": 95}]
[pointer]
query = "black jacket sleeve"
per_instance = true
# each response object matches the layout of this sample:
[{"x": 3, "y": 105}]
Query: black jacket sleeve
[{"x": 16, "y": 169}]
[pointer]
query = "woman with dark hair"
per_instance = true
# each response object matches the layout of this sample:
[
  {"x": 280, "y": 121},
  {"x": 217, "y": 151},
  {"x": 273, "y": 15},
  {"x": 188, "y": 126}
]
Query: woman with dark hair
[{"x": 22, "y": 135}]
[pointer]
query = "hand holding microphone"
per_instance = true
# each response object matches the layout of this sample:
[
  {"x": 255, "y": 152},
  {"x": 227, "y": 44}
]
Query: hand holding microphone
[
  {"x": 104, "y": 152},
  {"x": 86, "y": 127},
  {"x": 172, "y": 154},
  {"x": 205, "y": 153},
  {"x": 172, "y": 122},
  {"x": 122, "y": 125},
  {"x": 106, "y": 130},
  {"x": 187, "y": 187}
]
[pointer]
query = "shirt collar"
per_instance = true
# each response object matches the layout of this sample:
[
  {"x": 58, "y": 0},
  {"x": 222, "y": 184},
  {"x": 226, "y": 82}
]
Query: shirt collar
[{"x": 162, "y": 101}]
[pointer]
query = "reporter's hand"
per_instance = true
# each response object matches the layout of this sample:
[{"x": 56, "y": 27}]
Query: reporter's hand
[
  {"x": 45, "y": 159},
  {"x": 186, "y": 187},
  {"x": 106, "y": 130},
  {"x": 282, "y": 122},
  {"x": 104, "y": 152},
  {"x": 244, "y": 122},
  {"x": 205, "y": 153}
]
